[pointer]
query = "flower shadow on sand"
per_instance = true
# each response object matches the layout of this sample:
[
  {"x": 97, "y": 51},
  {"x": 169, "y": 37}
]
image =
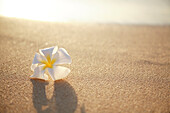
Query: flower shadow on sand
[{"x": 64, "y": 99}]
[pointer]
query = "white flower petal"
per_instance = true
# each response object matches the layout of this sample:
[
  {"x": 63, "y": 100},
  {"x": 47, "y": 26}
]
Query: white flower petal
[
  {"x": 58, "y": 72},
  {"x": 62, "y": 57},
  {"x": 55, "y": 49},
  {"x": 37, "y": 58},
  {"x": 33, "y": 66},
  {"x": 48, "y": 51},
  {"x": 55, "y": 56},
  {"x": 39, "y": 73}
]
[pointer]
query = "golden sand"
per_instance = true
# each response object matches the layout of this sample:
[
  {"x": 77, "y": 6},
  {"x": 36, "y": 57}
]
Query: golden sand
[{"x": 115, "y": 68}]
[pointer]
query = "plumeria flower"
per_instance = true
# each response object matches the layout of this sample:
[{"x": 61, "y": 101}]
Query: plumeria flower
[{"x": 48, "y": 59}]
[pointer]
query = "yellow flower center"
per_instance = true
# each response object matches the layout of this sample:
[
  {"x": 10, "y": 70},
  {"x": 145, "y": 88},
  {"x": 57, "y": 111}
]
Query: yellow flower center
[{"x": 49, "y": 63}]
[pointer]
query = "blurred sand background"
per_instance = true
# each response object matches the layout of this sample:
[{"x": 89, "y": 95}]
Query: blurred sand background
[{"x": 115, "y": 68}]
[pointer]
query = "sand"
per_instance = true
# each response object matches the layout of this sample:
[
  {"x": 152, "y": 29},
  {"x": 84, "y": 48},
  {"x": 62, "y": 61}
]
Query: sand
[{"x": 115, "y": 68}]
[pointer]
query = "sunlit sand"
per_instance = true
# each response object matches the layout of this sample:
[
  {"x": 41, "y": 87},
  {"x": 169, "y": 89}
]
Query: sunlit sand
[{"x": 115, "y": 68}]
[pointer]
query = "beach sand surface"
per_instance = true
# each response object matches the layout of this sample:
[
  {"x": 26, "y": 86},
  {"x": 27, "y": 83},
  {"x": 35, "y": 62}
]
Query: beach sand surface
[{"x": 115, "y": 68}]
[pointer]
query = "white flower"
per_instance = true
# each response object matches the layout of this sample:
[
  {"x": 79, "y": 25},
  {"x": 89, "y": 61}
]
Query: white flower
[{"x": 49, "y": 58}]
